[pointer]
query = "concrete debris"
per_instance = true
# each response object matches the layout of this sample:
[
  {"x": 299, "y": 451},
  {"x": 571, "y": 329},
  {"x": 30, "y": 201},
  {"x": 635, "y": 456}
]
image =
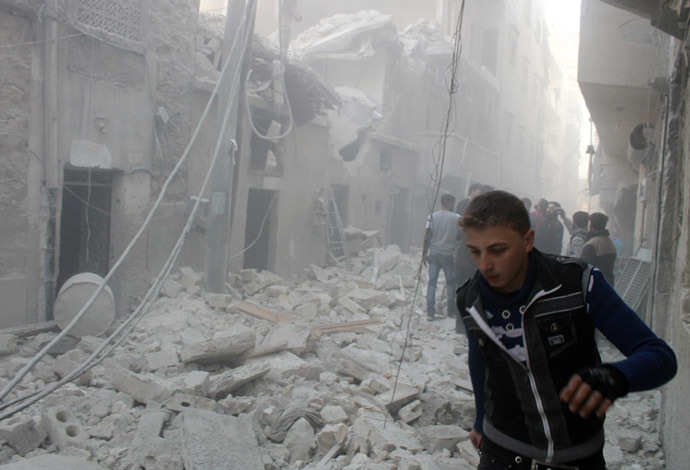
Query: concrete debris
[{"x": 199, "y": 385}]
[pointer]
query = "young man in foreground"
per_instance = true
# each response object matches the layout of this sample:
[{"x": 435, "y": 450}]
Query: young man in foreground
[{"x": 541, "y": 391}]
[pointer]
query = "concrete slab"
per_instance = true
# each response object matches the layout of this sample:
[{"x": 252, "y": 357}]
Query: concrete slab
[
  {"x": 52, "y": 462},
  {"x": 22, "y": 434},
  {"x": 211, "y": 441},
  {"x": 233, "y": 379},
  {"x": 225, "y": 345}
]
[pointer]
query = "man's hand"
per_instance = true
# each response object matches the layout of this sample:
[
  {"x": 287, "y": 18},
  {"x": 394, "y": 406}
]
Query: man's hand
[
  {"x": 581, "y": 399},
  {"x": 593, "y": 389},
  {"x": 475, "y": 438}
]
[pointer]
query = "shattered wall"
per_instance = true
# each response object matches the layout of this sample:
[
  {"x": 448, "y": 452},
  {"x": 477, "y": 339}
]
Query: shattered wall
[{"x": 21, "y": 163}]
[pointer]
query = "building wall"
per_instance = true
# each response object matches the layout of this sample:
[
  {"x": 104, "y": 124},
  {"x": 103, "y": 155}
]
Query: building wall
[{"x": 21, "y": 172}]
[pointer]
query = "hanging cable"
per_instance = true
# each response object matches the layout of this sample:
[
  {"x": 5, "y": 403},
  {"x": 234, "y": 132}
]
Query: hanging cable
[
  {"x": 438, "y": 172},
  {"x": 25, "y": 370},
  {"x": 251, "y": 120}
]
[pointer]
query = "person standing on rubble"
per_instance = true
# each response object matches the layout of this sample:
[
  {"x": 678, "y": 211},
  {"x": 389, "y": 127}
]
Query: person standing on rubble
[
  {"x": 541, "y": 390},
  {"x": 438, "y": 253}
]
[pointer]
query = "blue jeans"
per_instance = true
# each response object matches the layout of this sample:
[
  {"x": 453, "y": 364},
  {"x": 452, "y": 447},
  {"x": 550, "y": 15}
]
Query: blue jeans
[{"x": 438, "y": 262}]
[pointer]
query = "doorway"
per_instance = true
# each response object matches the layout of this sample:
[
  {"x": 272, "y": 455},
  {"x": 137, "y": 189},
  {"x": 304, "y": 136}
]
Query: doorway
[
  {"x": 84, "y": 223},
  {"x": 258, "y": 229}
]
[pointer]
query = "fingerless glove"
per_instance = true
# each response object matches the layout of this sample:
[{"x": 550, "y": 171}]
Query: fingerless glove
[{"x": 607, "y": 380}]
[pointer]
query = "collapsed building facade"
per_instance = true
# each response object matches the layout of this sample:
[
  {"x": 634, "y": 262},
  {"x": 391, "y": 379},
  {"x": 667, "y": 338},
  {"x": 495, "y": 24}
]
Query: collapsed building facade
[{"x": 632, "y": 72}]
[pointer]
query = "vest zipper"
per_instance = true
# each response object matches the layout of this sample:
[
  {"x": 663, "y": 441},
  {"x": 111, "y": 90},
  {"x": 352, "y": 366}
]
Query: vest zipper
[{"x": 533, "y": 382}]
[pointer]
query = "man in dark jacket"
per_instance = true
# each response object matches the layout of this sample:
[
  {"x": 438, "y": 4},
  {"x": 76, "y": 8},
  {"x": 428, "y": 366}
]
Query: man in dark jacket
[
  {"x": 599, "y": 250},
  {"x": 549, "y": 237},
  {"x": 541, "y": 390}
]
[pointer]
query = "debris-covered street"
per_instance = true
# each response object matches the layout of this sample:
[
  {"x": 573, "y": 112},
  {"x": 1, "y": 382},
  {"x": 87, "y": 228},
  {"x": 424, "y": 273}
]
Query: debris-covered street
[{"x": 277, "y": 374}]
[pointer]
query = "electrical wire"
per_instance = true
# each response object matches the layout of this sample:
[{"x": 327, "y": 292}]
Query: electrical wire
[
  {"x": 25, "y": 370},
  {"x": 452, "y": 89},
  {"x": 251, "y": 120}
]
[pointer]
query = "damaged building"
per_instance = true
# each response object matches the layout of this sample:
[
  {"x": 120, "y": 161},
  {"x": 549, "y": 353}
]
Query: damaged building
[{"x": 633, "y": 75}]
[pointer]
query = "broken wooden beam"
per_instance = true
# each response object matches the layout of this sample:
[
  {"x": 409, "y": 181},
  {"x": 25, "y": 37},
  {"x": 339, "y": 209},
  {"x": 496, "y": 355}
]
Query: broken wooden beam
[
  {"x": 259, "y": 312},
  {"x": 355, "y": 326}
]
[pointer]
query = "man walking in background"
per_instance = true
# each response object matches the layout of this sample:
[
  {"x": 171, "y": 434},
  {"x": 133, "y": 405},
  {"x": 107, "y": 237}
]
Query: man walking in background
[
  {"x": 578, "y": 234},
  {"x": 439, "y": 251},
  {"x": 600, "y": 251}
]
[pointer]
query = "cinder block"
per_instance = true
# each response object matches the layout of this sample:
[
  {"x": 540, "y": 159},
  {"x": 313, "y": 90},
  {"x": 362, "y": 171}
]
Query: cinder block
[
  {"x": 22, "y": 434},
  {"x": 63, "y": 428}
]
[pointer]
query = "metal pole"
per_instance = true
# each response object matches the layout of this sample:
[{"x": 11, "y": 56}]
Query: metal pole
[
  {"x": 218, "y": 228},
  {"x": 50, "y": 191}
]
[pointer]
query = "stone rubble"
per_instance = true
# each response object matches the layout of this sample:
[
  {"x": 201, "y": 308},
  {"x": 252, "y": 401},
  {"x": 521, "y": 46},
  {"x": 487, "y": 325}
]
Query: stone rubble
[{"x": 202, "y": 384}]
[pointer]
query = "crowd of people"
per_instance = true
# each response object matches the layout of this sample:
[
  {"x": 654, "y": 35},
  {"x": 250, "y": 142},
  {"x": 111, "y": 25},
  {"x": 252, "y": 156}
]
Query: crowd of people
[
  {"x": 530, "y": 315},
  {"x": 445, "y": 245}
]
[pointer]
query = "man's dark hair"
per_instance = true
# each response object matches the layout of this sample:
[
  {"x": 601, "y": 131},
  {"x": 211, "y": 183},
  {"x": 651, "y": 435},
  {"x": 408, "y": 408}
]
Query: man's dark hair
[
  {"x": 447, "y": 199},
  {"x": 497, "y": 208},
  {"x": 474, "y": 187},
  {"x": 597, "y": 221},
  {"x": 580, "y": 219},
  {"x": 527, "y": 202},
  {"x": 462, "y": 206},
  {"x": 541, "y": 204},
  {"x": 486, "y": 188}
]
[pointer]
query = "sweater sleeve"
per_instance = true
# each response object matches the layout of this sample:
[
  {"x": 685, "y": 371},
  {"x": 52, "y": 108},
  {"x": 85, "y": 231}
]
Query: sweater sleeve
[
  {"x": 476, "y": 365},
  {"x": 649, "y": 362}
]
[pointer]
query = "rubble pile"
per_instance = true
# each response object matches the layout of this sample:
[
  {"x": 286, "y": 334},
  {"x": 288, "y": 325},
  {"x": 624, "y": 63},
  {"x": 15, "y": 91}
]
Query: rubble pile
[{"x": 274, "y": 374}]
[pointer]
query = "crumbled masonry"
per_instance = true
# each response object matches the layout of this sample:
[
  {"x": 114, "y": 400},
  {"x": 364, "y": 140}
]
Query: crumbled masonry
[{"x": 203, "y": 384}]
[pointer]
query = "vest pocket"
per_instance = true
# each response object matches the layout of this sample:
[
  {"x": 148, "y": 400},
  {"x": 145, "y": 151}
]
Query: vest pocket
[{"x": 557, "y": 332}]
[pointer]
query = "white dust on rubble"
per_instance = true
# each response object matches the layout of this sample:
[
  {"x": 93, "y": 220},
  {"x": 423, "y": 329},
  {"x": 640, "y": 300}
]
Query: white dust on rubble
[{"x": 267, "y": 375}]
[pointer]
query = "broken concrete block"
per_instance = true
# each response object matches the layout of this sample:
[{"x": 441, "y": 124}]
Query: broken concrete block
[
  {"x": 143, "y": 387},
  {"x": 219, "y": 301},
  {"x": 369, "y": 428},
  {"x": 197, "y": 382},
  {"x": 63, "y": 428},
  {"x": 189, "y": 277},
  {"x": 236, "y": 406},
  {"x": 285, "y": 364},
  {"x": 181, "y": 401},
  {"x": 276, "y": 291},
  {"x": 89, "y": 344},
  {"x": 160, "y": 359},
  {"x": 170, "y": 288},
  {"x": 149, "y": 449},
  {"x": 300, "y": 440},
  {"x": 225, "y": 345},
  {"x": 233, "y": 379},
  {"x": 376, "y": 383},
  {"x": 308, "y": 310},
  {"x": 212, "y": 441},
  {"x": 52, "y": 462},
  {"x": 360, "y": 363},
  {"x": 369, "y": 298},
  {"x": 388, "y": 258},
  {"x": 333, "y": 414},
  {"x": 468, "y": 453},
  {"x": 63, "y": 366},
  {"x": 22, "y": 433},
  {"x": 299, "y": 340},
  {"x": 441, "y": 436},
  {"x": 8, "y": 344},
  {"x": 331, "y": 435},
  {"x": 395, "y": 399},
  {"x": 410, "y": 412},
  {"x": 319, "y": 273},
  {"x": 350, "y": 305}
]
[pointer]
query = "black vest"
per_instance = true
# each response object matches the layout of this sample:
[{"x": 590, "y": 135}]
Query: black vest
[{"x": 522, "y": 411}]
